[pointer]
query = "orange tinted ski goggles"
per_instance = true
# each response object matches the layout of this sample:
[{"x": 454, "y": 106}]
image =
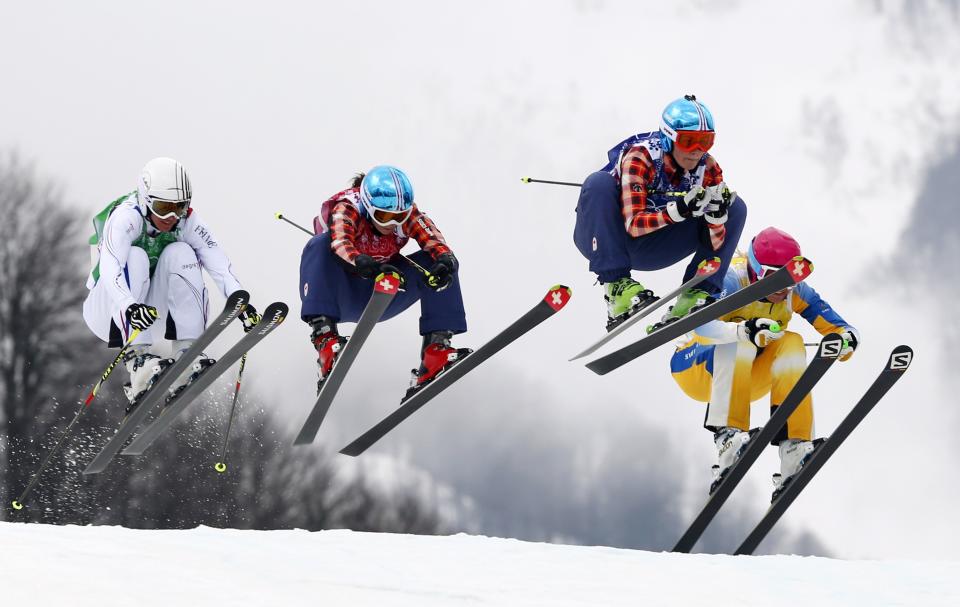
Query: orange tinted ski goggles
[{"x": 688, "y": 141}]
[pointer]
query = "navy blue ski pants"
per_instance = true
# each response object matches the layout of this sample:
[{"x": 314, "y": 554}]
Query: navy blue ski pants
[
  {"x": 601, "y": 237},
  {"x": 329, "y": 288}
]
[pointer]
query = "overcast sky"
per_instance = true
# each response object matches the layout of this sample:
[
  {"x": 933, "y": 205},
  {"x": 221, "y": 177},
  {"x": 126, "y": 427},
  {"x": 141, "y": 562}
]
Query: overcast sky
[{"x": 829, "y": 120}]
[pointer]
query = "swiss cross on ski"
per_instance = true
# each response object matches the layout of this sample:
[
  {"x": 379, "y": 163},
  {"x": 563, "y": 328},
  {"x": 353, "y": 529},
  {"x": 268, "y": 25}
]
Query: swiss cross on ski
[{"x": 388, "y": 283}]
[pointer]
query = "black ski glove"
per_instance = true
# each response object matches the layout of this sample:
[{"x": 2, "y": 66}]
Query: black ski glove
[
  {"x": 760, "y": 331},
  {"x": 140, "y": 316},
  {"x": 442, "y": 271},
  {"x": 250, "y": 318},
  {"x": 367, "y": 267}
]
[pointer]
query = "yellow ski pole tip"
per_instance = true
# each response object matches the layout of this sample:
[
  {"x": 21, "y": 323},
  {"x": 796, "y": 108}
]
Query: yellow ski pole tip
[
  {"x": 220, "y": 467},
  {"x": 278, "y": 215},
  {"x": 525, "y": 179},
  {"x": 16, "y": 505}
]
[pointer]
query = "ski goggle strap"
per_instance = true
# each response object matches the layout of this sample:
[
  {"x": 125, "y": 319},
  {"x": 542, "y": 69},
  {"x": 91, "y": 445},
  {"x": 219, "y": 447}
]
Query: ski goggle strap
[
  {"x": 760, "y": 270},
  {"x": 391, "y": 218},
  {"x": 165, "y": 209}
]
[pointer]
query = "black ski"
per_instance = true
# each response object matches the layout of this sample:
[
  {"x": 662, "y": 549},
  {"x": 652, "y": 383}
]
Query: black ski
[
  {"x": 273, "y": 315},
  {"x": 385, "y": 287},
  {"x": 555, "y": 299},
  {"x": 899, "y": 361},
  {"x": 158, "y": 392},
  {"x": 706, "y": 269},
  {"x": 787, "y": 276},
  {"x": 827, "y": 353}
]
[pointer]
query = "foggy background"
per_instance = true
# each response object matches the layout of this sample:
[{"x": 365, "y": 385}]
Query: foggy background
[{"x": 837, "y": 122}]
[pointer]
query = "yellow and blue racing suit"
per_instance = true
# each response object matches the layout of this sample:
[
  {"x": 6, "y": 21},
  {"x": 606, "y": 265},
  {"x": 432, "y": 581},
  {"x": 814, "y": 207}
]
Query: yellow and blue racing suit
[{"x": 713, "y": 365}]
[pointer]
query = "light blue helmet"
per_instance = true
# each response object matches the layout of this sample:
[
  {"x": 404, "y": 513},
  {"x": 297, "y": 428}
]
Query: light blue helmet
[
  {"x": 387, "y": 189},
  {"x": 685, "y": 114}
]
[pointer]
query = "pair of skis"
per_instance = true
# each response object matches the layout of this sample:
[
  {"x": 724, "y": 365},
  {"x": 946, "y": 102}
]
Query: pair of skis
[
  {"x": 794, "y": 272},
  {"x": 827, "y": 353},
  {"x": 273, "y": 315},
  {"x": 385, "y": 287}
]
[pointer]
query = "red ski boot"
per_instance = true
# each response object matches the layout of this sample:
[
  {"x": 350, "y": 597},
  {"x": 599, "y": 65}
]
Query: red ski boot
[
  {"x": 438, "y": 356},
  {"x": 329, "y": 344}
]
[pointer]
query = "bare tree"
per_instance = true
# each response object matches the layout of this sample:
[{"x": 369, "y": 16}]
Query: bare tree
[{"x": 43, "y": 344}]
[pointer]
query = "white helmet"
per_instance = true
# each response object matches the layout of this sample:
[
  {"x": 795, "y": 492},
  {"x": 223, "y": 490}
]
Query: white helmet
[{"x": 165, "y": 188}]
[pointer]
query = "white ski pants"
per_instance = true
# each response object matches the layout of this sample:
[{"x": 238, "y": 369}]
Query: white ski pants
[{"x": 176, "y": 290}]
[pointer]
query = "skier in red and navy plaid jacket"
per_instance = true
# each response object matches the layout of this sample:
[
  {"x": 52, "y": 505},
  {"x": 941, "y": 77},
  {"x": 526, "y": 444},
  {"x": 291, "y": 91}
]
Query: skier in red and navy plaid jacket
[
  {"x": 660, "y": 198},
  {"x": 360, "y": 232}
]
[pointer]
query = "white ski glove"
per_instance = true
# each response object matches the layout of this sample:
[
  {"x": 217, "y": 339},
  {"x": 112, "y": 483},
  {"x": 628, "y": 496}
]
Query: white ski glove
[
  {"x": 851, "y": 339},
  {"x": 759, "y": 331},
  {"x": 693, "y": 205},
  {"x": 721, "y": 197}
]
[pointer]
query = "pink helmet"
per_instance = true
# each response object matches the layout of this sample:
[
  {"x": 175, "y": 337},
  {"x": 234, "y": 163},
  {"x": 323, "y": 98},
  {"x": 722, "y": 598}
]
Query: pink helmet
[{"x": 771, "y": 248}]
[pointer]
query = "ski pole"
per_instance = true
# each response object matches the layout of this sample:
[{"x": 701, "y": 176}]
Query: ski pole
[
  {"x": 18, "y": 503},
  {"x": 294, "y": 224},
  {"x": 532, "y": 180},
  {"x": 422, "y": 269},
  {"x": 221, "y": 465}
]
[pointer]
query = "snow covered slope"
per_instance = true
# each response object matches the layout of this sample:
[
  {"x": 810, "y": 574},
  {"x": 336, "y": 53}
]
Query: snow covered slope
[{"x": 106, "y": 566}]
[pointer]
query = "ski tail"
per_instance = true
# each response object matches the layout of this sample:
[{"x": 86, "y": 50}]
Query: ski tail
[
  {"x": 705, "y": 270},
  {"x": 385, "y": 287},
  {"x": 273, "y": 315},
  {"x": 556, "y": 298},
  {"x": 897, "y": 364},
  {"x": 827, "y": 353},
  {"x": 235, "y": 304}
]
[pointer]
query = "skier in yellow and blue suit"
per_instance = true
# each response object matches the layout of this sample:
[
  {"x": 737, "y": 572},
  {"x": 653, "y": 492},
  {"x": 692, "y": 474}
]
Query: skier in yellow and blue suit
[{"x": 730, "y": 362}]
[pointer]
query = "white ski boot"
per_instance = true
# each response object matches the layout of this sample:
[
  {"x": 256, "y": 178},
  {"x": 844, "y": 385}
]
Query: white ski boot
[
  {"x": 794, "y": 454},
  {"x": 731, "y": 443},
  {"x": 144, "y": 369},
  {"x": 192, "y": 372}
]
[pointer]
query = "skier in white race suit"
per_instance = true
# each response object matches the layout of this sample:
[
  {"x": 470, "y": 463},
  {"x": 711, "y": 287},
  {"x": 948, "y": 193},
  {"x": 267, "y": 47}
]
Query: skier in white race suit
[{"x": 151, "y": 246}]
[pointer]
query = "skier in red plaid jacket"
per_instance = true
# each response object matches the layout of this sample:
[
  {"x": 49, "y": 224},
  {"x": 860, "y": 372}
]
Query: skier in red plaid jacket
[
  {"x": 359, "y": 234},
  {"x": 660, "y": 198}
]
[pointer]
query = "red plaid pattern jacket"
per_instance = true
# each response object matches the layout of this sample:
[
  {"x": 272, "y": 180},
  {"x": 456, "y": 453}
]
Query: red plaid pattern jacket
[
  {"x": 637, "y": 172},
  {"x": 352, "y": 235}
]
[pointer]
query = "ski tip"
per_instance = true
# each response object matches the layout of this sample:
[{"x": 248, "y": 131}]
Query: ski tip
[
  {"x": 708, "y": 267},
  {"x": 387, "y": 283},
  {"x": 16, "y": 505},
  {"x": 800, "y": 267},
  {"x": 900, "y": 358},
  {"x": 220, "y": 467},
  {"x": 558, "y": 296}
]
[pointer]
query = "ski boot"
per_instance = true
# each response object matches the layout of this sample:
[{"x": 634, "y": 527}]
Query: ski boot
[
  {"x": 793, "y": 455},
  {"x": 731, "y": 444},
  {"x": 328, "y": 343},
  {"x": 144, "y": 369},
  {"x": 689, "y": 301},
  {"x": 192, "y": 372},
  {"x": 437, "y": 356},
  {"x": 625, "y": 297}
]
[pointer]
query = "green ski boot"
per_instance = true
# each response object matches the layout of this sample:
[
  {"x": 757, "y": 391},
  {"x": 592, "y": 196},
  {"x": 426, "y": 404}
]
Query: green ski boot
[
  {"x": 624, "y": 298},
  {"x": 689, "y": 301}
]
